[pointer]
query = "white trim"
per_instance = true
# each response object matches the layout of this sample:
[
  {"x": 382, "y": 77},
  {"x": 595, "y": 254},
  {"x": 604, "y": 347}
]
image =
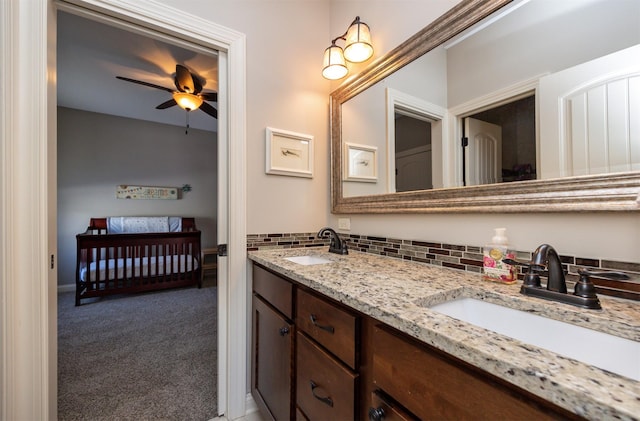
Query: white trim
[
  {"x": 26, "y": 392},
  {"x": 28, "y": 368},
  {"x": 223, "y": 237}
]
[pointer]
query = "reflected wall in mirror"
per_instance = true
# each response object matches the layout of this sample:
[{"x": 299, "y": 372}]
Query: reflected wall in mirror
[{"x": 560, "y": 65}]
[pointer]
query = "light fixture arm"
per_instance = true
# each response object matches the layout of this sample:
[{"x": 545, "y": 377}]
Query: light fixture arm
[{"x": 344, "y": 36}]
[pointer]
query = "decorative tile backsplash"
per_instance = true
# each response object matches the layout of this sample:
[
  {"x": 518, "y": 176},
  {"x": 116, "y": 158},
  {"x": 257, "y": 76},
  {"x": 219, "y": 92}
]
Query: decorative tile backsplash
[{"x": 463, "y": 257}]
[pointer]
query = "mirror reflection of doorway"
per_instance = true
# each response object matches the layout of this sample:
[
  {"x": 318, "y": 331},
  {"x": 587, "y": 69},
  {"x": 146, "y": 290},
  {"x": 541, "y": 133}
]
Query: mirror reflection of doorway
[
  {"x": 487, "y": 159},
  {"x": 412, "y": 152}
]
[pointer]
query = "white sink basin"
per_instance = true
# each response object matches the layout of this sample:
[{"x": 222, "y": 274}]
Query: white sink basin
[
  {"x": 608, "y": 352},
  {"x": 308, "y": 260}
]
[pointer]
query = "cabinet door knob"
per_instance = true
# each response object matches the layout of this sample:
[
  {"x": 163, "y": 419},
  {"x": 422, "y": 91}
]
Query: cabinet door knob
[
  {"x": 283, "y": 331},
  {"x": 314, "y": 320},
  {"x": 376, "y": 414},
  {"x": 326, "y": 400}
]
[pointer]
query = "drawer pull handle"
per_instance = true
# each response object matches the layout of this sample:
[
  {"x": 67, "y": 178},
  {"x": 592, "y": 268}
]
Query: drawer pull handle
[
  {"x": 325, "y": 400},
  {"x": 314, "y": 320},
  {"x": 376, "y": 414},
  {"x": 283, "y": 331}
]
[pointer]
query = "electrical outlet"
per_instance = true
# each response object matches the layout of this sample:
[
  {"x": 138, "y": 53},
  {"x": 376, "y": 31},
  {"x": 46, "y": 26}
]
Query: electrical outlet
[{"x": 344, "y": 224}]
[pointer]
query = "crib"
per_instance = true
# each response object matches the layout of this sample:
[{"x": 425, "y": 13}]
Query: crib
[{"x": 155, "y": 255}]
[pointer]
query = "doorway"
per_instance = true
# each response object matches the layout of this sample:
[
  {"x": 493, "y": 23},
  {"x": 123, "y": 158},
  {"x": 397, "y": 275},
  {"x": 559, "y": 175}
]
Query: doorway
[
  {"x": 29, "y": 353},
  {"x": 413, "y": 151},
  {"x": 100, "y": 147},
  {"x": 499, "y": 143}
]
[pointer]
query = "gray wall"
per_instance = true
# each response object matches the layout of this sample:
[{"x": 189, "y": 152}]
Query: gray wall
[{"x": 97, "y": 152}]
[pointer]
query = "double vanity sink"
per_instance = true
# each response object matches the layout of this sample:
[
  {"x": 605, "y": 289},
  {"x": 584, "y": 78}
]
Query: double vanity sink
[
  {"x": 602, "y": 350},
  {"x": 586, "y": 361}
]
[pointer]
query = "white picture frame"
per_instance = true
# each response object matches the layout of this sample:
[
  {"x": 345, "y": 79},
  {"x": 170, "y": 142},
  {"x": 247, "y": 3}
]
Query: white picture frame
[
  {"x": 361, "y": 163},
  {"x": 288, "y": 153}
]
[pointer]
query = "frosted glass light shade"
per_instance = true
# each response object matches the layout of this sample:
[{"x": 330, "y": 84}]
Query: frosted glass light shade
[
  {"x": 358, "y": 46},
  {"x": 187, "y": 101},
  {"x": 333, "y": 65}
]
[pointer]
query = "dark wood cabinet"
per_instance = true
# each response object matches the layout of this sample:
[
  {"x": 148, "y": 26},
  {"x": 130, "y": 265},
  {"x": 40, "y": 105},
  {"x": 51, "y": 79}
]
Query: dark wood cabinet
[
  {"x": 273, "y": 351},
  {"x": 334, "y": 363},
  {"x": 431, "y": 384}
]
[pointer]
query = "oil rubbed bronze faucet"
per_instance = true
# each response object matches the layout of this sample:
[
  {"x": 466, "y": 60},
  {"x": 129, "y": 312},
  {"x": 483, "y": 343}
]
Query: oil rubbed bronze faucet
[
  {"x": 336, "y": 245},
  {"x": 546, "y": 258}
]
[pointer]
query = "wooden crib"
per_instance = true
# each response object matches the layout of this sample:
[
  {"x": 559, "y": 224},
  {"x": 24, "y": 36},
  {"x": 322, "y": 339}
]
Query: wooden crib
[{"x": 134, "y": 262}]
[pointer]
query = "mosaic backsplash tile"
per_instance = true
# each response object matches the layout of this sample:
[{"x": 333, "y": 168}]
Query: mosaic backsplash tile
[{"x": 462, "y": 257}]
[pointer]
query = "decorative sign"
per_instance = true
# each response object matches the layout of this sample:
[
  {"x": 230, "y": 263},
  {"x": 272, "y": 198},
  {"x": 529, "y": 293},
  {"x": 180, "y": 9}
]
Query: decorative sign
[{"x": 142, "y": 192}]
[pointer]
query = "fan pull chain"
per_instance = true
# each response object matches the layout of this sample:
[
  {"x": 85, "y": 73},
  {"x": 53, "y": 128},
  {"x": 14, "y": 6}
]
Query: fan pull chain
[{"x": 186, "y": 130}]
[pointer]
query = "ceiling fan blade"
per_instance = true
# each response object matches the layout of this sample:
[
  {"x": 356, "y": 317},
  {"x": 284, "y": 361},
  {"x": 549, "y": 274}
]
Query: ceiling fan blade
[
  {"x": 207, "y": 108},
  {"x": 209, "y": 96},
  {"x": 184, "y": 80},
  {"x": 167, "y": 104},
  {"x": 139, "y": 82},
  {"x": 197, "y": 86}
]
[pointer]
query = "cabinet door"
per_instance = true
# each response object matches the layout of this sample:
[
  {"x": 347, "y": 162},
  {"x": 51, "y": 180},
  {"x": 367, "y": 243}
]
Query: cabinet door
[
  {"x": 325, "y": 388},
  {"x": 272, "y": 361}
]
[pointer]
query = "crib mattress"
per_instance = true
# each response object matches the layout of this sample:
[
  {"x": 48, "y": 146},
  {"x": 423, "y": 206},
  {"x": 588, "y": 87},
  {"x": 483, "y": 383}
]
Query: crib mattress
[{"x": 139, "y": 267}]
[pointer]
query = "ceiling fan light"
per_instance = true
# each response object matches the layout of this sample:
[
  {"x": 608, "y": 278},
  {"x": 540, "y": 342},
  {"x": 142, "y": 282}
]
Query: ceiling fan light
[
  {"x": 187, "y": 101},
  {"x": 358, "y": 47},
  {"x": 333, "y": 65}
]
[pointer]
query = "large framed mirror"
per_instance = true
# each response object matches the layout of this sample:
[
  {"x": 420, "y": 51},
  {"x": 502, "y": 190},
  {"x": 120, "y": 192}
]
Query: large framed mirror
[{"x": 568, "y": 71}]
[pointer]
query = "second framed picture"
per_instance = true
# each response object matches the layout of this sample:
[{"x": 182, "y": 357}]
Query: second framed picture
[{"x": 361, "y": 163}]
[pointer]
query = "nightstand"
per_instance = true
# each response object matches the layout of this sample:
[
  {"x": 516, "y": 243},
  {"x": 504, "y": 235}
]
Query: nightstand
[{"x": 209, "y": 260}]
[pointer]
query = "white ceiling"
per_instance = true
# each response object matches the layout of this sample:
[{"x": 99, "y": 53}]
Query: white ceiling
[{"x": 91, "y": 54}]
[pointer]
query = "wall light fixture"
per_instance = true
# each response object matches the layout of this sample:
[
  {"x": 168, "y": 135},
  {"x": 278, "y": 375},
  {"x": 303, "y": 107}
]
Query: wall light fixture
[{"x": 357, "y": 48}]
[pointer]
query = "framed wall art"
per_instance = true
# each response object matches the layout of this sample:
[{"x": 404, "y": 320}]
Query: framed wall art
[
  {"x": 289, "y": 153},
  {"x": 361, "y": 163}
]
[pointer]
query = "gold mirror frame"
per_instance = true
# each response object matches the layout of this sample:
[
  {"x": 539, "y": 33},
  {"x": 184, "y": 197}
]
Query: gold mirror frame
[{"x": 609, "y": 192}]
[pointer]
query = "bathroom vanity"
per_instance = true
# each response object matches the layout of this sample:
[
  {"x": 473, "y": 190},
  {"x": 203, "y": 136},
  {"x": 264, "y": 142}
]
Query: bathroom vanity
[{"x": 355, "y": 337}]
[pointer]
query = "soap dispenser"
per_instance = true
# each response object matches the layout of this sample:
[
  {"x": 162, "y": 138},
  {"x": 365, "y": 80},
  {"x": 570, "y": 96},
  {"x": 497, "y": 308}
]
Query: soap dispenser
[{"x": 493, "y": 266}]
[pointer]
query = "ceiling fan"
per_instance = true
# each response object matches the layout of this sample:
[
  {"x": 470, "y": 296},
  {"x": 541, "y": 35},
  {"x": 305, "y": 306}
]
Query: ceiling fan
[{"x": 188, "y": 96}]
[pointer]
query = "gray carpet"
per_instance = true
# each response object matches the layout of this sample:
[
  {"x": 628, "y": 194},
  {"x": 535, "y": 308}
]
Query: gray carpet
[{"x": 150, "y": 356}]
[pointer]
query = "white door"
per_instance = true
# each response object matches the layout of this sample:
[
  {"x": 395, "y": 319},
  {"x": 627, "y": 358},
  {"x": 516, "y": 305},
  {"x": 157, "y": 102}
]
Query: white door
[
  {"x": 413, "y": 169},
  {"x": 589, "y": 117},
  {"x": 483, "y": 155}
]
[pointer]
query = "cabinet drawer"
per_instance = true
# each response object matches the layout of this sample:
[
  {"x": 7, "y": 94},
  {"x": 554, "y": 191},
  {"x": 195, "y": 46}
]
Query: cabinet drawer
[
  {"x": 274, "y": 289},
  {"x": 330, "y": 326},
  {"x": 325, "y": 389},
  {"x": 434, "y": 386}
]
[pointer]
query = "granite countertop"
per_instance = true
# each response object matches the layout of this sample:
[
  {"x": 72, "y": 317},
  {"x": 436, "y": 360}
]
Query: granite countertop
[{"x": 398, "y": 292}]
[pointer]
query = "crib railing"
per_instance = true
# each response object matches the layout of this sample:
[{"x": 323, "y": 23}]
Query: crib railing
[{"x": 120, "y": 263}]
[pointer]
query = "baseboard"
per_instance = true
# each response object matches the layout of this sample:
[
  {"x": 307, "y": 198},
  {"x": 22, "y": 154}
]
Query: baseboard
[
  {"x": 66, "y": 288},
  {"x": 250, "y": 411},
  {"x": 250, "y": 405}
]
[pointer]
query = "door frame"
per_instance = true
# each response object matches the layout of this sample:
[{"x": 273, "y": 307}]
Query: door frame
[{"x": 28, "y": 316}]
